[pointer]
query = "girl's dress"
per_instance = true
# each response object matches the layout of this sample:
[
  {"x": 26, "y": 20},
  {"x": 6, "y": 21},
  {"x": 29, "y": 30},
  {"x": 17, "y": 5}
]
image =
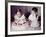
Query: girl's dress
[{"x": 19, "y": 23}]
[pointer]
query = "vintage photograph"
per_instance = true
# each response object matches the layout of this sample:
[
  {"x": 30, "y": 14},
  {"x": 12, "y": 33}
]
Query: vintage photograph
[{"x": 25, "y": 18}]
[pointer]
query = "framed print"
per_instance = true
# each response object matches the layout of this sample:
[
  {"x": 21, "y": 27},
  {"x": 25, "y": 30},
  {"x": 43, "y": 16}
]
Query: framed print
[{"x": 25, "y": 18}]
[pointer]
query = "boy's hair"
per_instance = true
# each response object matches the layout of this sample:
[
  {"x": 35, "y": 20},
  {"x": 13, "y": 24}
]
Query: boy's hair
[{"x": 35, "y": 9}]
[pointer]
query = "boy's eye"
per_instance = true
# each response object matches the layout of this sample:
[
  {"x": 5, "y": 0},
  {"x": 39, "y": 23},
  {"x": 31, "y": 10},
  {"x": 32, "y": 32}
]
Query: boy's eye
[
  {"x": 15, "y": 23},
  {"x": 30, "y": 21}
]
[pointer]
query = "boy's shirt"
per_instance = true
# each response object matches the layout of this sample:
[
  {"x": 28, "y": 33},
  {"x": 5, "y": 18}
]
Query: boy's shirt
[{"x": 34, "y": 22}]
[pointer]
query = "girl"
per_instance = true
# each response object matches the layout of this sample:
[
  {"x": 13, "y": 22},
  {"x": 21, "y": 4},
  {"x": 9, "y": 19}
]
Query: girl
[
  {"x": 15, "y": 25},
  {"x": 20, "y": 21}
]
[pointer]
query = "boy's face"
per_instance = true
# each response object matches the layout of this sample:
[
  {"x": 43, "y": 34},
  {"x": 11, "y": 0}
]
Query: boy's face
[
  {"x": 18, "y": 14},
  {"x": 32, "y": 12}
]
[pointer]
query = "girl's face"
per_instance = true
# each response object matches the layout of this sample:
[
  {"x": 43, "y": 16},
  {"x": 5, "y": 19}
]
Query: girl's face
[{"x": 18, "y": 14}]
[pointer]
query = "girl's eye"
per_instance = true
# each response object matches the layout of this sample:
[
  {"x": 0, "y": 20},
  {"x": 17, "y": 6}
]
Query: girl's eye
[
  {"x": 20, "y": 24},
  {"x": 24, "y": 22}
]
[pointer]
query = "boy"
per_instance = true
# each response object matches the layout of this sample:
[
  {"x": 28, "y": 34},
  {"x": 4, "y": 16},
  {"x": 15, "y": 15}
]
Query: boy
[{"x": 33, "y": 18}]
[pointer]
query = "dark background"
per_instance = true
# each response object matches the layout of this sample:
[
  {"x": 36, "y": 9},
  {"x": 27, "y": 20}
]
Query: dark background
[{"x": 24, "y": 9}]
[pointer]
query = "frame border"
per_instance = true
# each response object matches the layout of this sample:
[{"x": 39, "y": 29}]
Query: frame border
[{"x": 6, "y": 16}]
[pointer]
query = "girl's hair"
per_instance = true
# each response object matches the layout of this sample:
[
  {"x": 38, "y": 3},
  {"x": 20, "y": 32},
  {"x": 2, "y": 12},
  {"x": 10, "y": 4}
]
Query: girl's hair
[
  {"x": 16, "y": 10},
  {"x": 12, "y": 19},
  {"x": 19, "y": 11},
  {"x": 35, "y": 9},
  {"x": 27, "y": 14}
]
